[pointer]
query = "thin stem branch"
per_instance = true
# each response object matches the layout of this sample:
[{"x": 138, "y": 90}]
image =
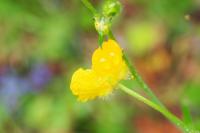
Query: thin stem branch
[
  {"x": 141, "y": 81},
  {"x": 163, "y": 111},
  {"x": 89, "y": 6}
]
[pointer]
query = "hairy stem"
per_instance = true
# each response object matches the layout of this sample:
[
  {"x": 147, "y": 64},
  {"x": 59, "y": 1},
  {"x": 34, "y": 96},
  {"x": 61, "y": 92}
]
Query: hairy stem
[
  {"x": 155, "y": 106},
  {"x": 89, "y": 6}
]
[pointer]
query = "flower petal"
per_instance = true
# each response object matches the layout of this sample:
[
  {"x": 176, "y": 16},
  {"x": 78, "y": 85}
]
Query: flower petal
[{"x": 87, "y": 85}]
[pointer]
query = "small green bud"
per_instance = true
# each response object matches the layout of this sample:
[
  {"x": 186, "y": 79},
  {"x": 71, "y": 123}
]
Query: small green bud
[
  {"x": 102, "y": 24},
  {"x": 111, "y": 8}
]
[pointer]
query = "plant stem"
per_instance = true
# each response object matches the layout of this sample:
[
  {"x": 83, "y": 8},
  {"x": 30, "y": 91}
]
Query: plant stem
[
  {"x": 163, "y": 111},
  {"x": 89, "y": 6},
  {"x": 141, "y": 81},
  {"x": 110, "y": 35}
]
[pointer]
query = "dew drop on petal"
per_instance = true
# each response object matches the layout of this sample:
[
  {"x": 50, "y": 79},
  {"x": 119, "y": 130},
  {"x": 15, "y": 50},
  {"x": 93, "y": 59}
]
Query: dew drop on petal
[
  {"x": 102, "y": 60},
  {"x": 112, "y": 54}
]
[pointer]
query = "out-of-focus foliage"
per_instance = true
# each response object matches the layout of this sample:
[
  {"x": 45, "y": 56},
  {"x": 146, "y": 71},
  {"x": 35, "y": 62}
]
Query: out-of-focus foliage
[{"x": 43, "y": 41}]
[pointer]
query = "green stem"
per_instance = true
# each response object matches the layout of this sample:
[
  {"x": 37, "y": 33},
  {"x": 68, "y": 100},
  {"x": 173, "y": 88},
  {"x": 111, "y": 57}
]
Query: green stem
[
  {"x": 163, "y": 111},
  {"x": 90, "y": 7},
  {"x": 141, "y": 81},
  {"x": 110, "y": 35}
]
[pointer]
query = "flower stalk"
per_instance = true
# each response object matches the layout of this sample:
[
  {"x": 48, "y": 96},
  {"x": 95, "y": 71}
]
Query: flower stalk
[
  {"x": 89, "y": 6},
  {"x": 159, "y": 108}
]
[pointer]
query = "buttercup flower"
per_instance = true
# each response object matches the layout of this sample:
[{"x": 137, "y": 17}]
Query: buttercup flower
[{"x": 108, "y": 68}]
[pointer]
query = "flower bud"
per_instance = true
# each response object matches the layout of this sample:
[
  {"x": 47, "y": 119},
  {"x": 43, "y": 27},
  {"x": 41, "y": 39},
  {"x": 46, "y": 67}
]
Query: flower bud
[
  {"x": 111, "y": 8},
  {"x": 102, "y": 24}
]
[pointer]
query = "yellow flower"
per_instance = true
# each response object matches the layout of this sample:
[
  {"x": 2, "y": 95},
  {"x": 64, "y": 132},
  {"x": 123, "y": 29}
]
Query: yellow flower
[{"x": 108, "y": 68}]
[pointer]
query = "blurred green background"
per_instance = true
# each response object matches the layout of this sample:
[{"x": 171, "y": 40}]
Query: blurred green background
[{"x": 42, "y": 42}]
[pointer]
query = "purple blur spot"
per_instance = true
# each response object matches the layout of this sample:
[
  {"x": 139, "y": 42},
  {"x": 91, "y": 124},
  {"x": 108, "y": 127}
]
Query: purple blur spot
[{"x": 40, "y": 75}]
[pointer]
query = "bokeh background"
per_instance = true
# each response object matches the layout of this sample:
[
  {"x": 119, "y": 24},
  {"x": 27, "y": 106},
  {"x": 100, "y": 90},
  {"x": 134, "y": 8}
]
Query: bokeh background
[{"x": 42, "y": 42}]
